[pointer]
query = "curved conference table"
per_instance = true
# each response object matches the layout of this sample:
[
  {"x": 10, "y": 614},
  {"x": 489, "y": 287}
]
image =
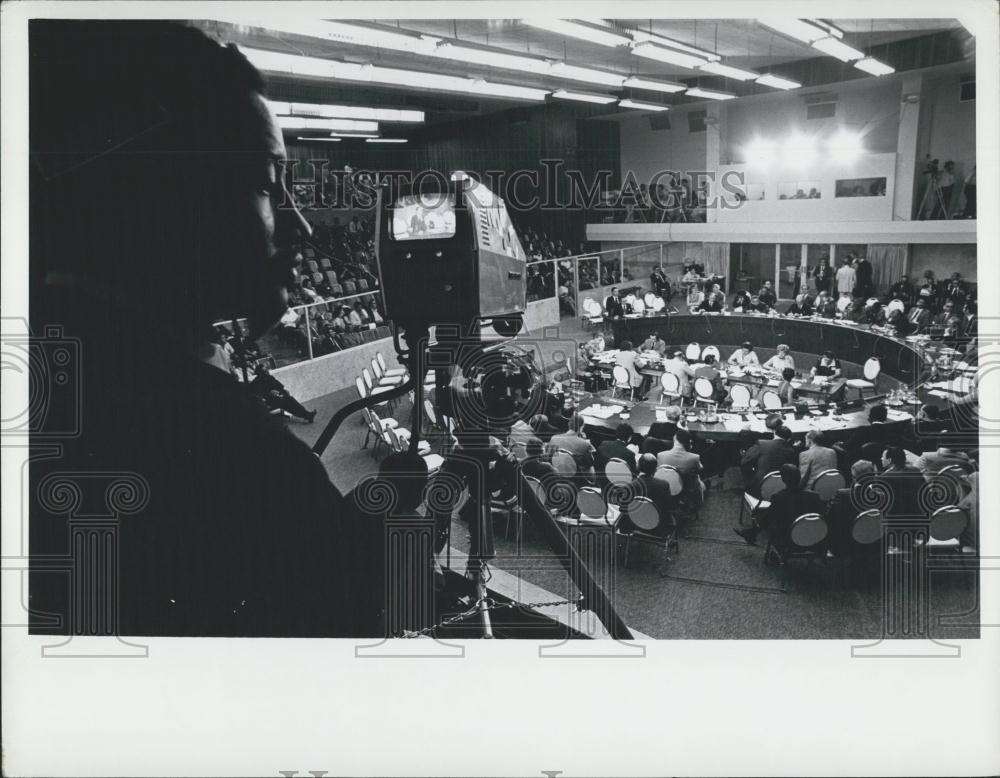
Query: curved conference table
[{"x": 806, "y": 337}]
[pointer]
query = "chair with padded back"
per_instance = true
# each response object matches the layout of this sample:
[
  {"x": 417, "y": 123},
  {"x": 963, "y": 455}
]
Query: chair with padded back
[
  {"x": 325, "y": 264},
  {"x": 871, "y": 370},
  {"x": 623, "y": 381},
  {"x": 770, "y": 400},
  {"x": 331, "y": 278},
  {"x": 564, "y": 463},
  {"x": 713, "y": 350},
  {"x": 618, "y": 472},
  {"x": 770, "y": 485},
  {"x": 806, "y": 532},
  {"x": 308, "y": 253},
  {"x": 693, "y": 352},
  {"x": 317, "y": 278},
  {"x": 362, "y": 285},
  {"x": 387, "y": 370},
  {"x": 704, "y": 391},
  {"x": 382, "y": 378},
  {"x": 350, "y": 287},
  {"x": 312, "y": 265},
  {"x": 364, "y": 391},
  {"x": 337, "y": 290},
  {"x": 827, "y": 483},
  {"x": 645, "y": 523},
  {"x": 739, "y": 396},
  {"x": 670, "y": 385},
  {"x": 593, "y": 508}
]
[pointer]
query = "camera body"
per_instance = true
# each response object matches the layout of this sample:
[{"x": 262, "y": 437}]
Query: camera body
[
  {"x": 51, "y": 362},
  {"x": 932, "y": 167},
  {"x": 449, "y": 255}
]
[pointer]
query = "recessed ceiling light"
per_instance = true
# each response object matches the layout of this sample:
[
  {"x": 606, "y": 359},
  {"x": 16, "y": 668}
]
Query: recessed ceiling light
[{"x": 638, "y": 105}]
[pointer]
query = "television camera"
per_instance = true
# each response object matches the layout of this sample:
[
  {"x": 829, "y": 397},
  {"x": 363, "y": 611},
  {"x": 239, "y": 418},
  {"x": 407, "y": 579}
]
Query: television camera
[{"x": 454, "y": 282}]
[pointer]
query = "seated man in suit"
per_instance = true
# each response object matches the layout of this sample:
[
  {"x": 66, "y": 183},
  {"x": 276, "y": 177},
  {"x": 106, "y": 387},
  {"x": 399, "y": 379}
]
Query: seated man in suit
[
  {"x": 940, "y": 320},
  {"x": 741, "y": 300},
  {"x": 817, "y": 458},
  {"x": 845, "y": 506},
  {"x": 688, "y": 464},
  {"x": 665, "y": 430},
  {"x": 901, "y": 326},
  {"x": 679, "y": 367},
  {"x": 654, "y": 343},
  {"x": 879, "y": 431},
  {"x": 825, "y": 306},
  {"x": 766, "y": 456},
  {"x": 646, "y": 485},
  {"x": 575, "y": 442},
  {"x": 537, "y": 463},
  {"x": 828, "y": 366},
  {"x": 801, "y": 307},
  {"x": 934, "y": 462},
  {"x": 786, "y": 506},
  {"x": 903, "y": 481},
  {"x": 919, "y": 315},
  {"x": 902, "y": 290},
  {"x": 617, "y": 448},
  {"x": 709, "y": 369}
]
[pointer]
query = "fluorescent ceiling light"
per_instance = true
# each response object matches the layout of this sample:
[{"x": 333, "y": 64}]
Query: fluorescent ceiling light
[
  {"x": 728, "y": 71},
  {"x": 583, "y": 97},
  {"x": 670, "y": 56},
  {"x": 386, "y": 140},
  {"x": 642, "y": 106},
  {"x": 350, "y": 71},
  {"x": 653, "y": 86},
  {"x": 873, "y": 66},
  {"x": 345, "y": 112},
  {"x": 769, "y": 79},
  {"x": 354, "y": 135},
  {"x": 321, "y": 140},
  {"x": 350, "y": 34},
  {"x": 648, "y": 37},
  {"x": 306, "y": 123},
  {"x": 598, "y": 35},
  {"x": 591, "y": 76},
  {"x": 837, "y": 48},
  {"x": 491, "y": 58},
  {"x": 711, "y": 94},
  {"x": 799, "y": 29}
]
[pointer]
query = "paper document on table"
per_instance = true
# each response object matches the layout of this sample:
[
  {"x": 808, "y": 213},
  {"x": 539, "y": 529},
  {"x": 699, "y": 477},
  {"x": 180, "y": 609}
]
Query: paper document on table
[
  {"x": 602, "y": 411},
  {"x": 800, "y": 425},
  {"x": 899, "y": 416},
  {"x": 757, "y": 425},
  {"x": 732, "y": 422}
]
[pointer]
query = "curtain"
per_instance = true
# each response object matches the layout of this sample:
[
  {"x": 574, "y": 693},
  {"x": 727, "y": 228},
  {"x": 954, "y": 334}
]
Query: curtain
[
  {"x": 888, "y": 264},
  {"x": 715, "y": 257}
]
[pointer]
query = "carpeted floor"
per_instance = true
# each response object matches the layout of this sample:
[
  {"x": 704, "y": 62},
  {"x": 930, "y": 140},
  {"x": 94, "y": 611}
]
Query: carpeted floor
[{"x": 717, "y": 587}]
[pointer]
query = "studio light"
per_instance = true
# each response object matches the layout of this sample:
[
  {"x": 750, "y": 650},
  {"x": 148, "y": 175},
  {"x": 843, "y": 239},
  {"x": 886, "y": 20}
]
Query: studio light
[
  {"x": 845, "y": 146},
  {"x": 640, "y": 106},
  {"x": 873, "y": 66},
  {"x": 760, "y": 152},
  {"x": 582, "y": 97},
  {"x": 799, "y": 149},
  {"x": 598, "y": 35}
]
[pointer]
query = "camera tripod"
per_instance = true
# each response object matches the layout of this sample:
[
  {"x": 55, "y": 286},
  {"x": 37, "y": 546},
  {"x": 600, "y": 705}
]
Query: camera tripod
[{"x": 934, "y": 197}]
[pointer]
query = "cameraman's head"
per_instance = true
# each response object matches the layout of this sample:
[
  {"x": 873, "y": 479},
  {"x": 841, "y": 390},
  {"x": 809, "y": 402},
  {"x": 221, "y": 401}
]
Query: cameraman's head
[{"x": 157, "y": 135}]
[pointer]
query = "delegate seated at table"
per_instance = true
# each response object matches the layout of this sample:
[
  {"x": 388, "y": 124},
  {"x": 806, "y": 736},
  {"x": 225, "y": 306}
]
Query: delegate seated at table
[
  {"x": 781, "y": 360},
  {"x": 786, "y": 392},
  {"x": 654, "y": 343},
  {"x": 680, "y": 368},
  {"x": 744, "y": 356},
  {"x": 828, "y": 366}
]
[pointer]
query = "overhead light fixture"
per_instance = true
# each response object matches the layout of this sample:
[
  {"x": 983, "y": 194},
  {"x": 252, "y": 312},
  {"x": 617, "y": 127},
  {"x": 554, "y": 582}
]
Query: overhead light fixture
[
  {"x": 837, "y": 48},
  {"x": 709, "y": 94},
  {"x": 491, "y": 58},
  {"x": 653, "y": 86},
  {"x": 641, "y": 106},
  {"x": 294, "y": 64},
  {"x": 591, "y": 76},
  {"x": 386, "y": 140},
  {"x": 350, "y": 34},
  {"x": 354, "y": 135},
  {"x": 345, "y": 112},
  {"x": 586, "y": 32},
  {"x": 799, "y": 29},
  {"x": 777, "y": 82},
  {"x": 760, "y": 152},
  {"x": 639, "y": 36},
  {"x": 320, "y": 140},
  {"x": 307, "y": 123},
  {"x": 583, "y": 97},
  {"x": 670, "y": 56},
  {"x": 873, "y": 66},
  {"x": 845, "y": 146},
  {"x": 728, "y": 71}
]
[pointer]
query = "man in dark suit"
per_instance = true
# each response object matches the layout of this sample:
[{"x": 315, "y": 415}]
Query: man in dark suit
[
  {"x": 864, "y": 285},
  {"x": 786, "y": 506},
  {"x": 902, "y": 290},
  {"x": 653, "y": 445},
  {"x": 766, "y": 456},
  {"x": 536, "y": 464},
  {"x": 645, "y": 485},
  {"x": 919, "y": 315},
  {"x": 613, "y": 306},
  {"x": 617, "y": 448},
  {"x": 665, "y": 430},
  {"x": 904, "y": 483},
  {"x": 879, "y": 432},
  {"x": 575, "y": 442}
]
